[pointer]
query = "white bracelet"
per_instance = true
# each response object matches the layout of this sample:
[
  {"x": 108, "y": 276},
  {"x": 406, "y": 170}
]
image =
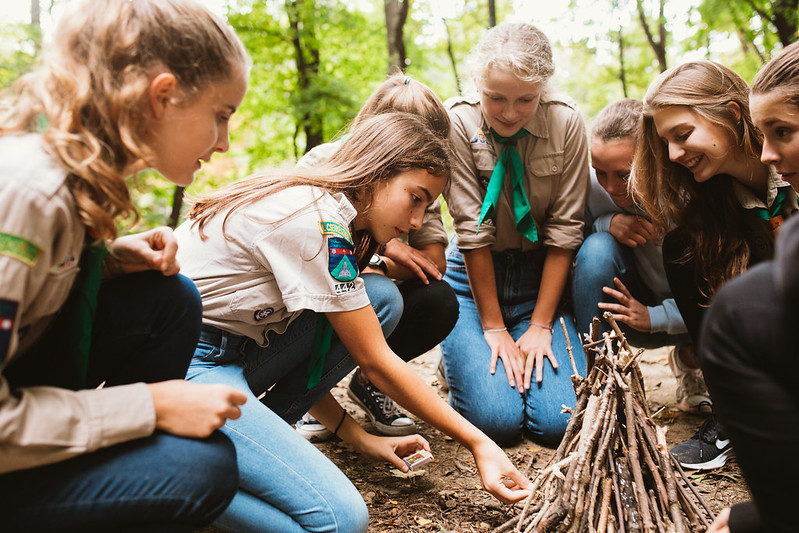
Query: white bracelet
[{"x": 497, "y": 330}]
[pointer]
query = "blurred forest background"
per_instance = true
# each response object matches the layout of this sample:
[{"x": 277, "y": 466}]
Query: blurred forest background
[{"x": 316, "y": 61}]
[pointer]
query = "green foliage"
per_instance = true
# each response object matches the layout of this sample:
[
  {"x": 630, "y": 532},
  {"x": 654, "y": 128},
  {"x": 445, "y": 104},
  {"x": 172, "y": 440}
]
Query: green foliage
[{"x": 17, "y": 51}]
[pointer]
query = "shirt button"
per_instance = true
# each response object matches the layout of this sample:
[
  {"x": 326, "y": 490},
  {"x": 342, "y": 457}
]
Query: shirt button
[{"x": 554, "y": 168}]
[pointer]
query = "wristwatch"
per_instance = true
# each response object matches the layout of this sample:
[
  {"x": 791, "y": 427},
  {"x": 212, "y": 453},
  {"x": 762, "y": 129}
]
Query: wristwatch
[{"x": 377, "y": 262}]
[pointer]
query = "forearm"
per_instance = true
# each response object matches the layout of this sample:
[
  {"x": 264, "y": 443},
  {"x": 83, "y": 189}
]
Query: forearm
[
  {"x": 480, "y": 270},
  {"x": 553, "y": 281}
]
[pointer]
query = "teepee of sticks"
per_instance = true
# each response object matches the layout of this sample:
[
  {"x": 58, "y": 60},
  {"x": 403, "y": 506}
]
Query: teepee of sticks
[{"x": 612, "y": 471}]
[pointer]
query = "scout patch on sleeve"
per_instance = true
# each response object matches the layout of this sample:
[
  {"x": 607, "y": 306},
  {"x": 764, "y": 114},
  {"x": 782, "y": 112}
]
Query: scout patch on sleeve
[
  {"x": 341, "y": 251},
  {"x": 8, "y": 313},
  {"x": 19, "y": 248}
]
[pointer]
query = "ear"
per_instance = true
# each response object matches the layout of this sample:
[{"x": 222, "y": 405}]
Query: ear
[
  {"x": 162, "y": 88},
  {"x": 735, "y": 109}
]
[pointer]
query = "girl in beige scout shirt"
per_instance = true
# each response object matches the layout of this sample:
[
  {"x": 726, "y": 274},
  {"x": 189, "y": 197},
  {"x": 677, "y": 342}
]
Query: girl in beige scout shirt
[
  {"x": 407, "y": 270},
  {"x": 698, "y": 170},
  {"x": 276, "y": 258},
  {"x": 115, "y": 94},
  {"x": 520, "y": 178}
]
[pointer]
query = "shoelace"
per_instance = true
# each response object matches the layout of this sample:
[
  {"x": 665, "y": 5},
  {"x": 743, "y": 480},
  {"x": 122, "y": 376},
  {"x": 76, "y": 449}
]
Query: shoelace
[{"x": 387, "y": 406}]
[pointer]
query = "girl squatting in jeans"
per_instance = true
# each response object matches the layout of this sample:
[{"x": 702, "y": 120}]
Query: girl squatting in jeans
[
  {"x": 82, "y": 308},
  {"x": 276, "y": 258}
]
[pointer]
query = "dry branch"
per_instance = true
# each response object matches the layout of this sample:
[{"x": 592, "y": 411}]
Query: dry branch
[{"x": 612, "y": 471}]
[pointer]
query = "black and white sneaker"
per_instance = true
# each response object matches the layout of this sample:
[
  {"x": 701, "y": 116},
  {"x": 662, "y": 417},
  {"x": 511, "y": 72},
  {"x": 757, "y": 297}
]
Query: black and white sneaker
[
  {"x": 706, "y": 450},
  {"x": 383, "y": 412},
  {"x": 311, "y": 429}
]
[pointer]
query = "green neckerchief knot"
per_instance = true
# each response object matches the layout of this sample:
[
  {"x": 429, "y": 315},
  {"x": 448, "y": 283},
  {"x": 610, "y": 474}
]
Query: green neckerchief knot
[
  {"x": 521, "y": 206},
  {"x": 321, "y": 345},
  {"x": 769, "y": 213}
]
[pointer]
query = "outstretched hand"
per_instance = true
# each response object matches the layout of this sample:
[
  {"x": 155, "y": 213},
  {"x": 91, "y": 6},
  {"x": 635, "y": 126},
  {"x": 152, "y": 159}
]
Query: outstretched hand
[
  {"x": 391, "y": 449},
  {"x": 150, "y": 250},
  {"x": 629, "y": 310},
  {"x": 498, "y": 475}
]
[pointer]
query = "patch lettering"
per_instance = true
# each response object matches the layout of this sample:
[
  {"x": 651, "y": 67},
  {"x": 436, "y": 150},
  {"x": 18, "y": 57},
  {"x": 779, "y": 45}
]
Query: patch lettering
[
  {"x": 19, "y": 248},
  {"x": 335, "y": 229},
  {"x": 8, "y": 314},
  {"x": 344, "y": 288}
]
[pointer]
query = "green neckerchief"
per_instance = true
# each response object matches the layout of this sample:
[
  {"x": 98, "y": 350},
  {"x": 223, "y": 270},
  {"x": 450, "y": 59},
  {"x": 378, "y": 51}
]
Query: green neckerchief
[
  {"x": 321, "y": 345},
  {"x": 769, "y": 213},
  {"x": 79, "y": 311},
  {"x": 521, "y": 206}
]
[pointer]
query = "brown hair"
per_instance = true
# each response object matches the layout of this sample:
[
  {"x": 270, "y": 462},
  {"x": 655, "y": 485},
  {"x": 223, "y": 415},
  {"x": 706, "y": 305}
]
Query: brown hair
[
  {"x": 515, "y": 46},
  {"x": 91, "y": 91},
  {"x": 618, "y": 120},
  {"x": 709, "y": 212},
  {"x": 377, "y": 148},
  {"x": 402, "y": 93},
  {"x": 781, "y": 74}
]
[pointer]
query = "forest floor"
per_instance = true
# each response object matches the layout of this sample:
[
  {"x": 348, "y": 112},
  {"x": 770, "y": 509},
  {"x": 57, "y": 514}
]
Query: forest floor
[{"x": 448, "y": 497}]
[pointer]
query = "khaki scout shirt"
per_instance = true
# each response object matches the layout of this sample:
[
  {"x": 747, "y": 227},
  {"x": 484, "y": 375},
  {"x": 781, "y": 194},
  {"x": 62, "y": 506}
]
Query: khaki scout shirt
[
  {"x": 432, "y": 230},
  {"x": 556, "y": 178},
  {"x": 40, "y": 425},
  {"x": 270, "y": 264}
]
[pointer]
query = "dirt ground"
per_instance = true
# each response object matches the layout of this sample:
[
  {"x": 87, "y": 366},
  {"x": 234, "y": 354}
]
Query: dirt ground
[{"x": 448, "y": 497}]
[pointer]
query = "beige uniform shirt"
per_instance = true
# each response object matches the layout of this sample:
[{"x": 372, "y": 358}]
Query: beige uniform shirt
[
  {"x": 273, "y": 263},
  {"x": 556, "y": 178},
  {"x": 41, "y": 239},
  {"x": 432, "y": 230}
]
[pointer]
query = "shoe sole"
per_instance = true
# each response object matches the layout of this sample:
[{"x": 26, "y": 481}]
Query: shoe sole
[
  {"x": 685, "y": 407},
  {"x": 717, "y": 462},
  {"x": 383, "y": 429},
  {"x": 315, "y": 436}
]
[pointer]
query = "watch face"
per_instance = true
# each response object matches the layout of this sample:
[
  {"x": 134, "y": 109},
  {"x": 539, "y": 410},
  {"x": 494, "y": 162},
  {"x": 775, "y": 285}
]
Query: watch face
[{"x": 375, "y": 260}]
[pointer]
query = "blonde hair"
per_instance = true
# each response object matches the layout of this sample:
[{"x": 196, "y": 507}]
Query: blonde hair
[
  {"x": 377, "y": 148},
  {"x": 781, "y": 74},
  {"x": 618, "y": 120},
  {"x": 91, "y": 91},
  {"x": 518, "y": 47},
  {"x": 709, "y": 212},
  {"x": 402, "y": 93}
]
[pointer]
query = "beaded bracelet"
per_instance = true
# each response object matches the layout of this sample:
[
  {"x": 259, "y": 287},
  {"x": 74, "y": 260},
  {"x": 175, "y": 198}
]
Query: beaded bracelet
[
  {"x": 542, "y": 327},
  {"x": 497, "y": 330}
]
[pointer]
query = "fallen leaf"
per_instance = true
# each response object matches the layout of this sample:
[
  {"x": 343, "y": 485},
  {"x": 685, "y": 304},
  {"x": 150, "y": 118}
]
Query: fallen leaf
[
  {"x": 424, "y": 521},
  {"x": 396, "y": 472}
]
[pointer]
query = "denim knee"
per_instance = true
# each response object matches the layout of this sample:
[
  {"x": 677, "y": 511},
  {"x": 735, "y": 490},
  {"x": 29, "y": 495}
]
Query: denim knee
[
  {"x": 350, "y": 511},
  {"x": 217, "y": 481},
  {"x": 549, "y": 428},
  {"x": 386, "y": 300},
  {"x": 502, "y": 425},
  {"x": 599, "y": 257}
]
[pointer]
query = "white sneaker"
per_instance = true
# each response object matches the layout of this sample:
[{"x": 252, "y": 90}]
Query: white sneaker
[
  {"x": 692, "y": 394},
  {"x": 312, "y": 429}
]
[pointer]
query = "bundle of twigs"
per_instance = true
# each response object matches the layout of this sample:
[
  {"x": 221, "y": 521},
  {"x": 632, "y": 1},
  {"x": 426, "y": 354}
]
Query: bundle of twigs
[{"x": 612, "y": 471}]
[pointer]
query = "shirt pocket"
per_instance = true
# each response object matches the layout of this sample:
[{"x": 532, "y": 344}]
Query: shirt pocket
[
  {"x": 484, "y": 161},
  {"x": 547, "y": 165}
]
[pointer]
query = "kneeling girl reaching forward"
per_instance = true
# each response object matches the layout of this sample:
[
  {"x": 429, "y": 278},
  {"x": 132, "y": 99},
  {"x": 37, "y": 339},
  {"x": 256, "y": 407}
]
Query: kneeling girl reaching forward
[{"x": 276, "y": 258}]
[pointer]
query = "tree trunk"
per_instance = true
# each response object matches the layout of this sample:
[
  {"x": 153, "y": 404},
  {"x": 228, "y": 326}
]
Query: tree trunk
[
  {"x": 396, "y": 14},
  {"x": 622, "y": 70},
  {"x": 784, "y": 18},
  {"x": 36, "y": 26},
  {"x": 658, "y": 45},
  {"x": 452, "y": 58},
  {"x": 306, "y": 48},
  {"x": 177, "y": 205},
  {"x": 492, "y": 13}
]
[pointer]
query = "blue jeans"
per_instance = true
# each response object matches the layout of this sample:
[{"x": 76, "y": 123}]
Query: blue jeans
[
  {"x": 487, "y": 400},
  {"x": 601, "y": 258},
  {"x": 286, "y": 484},
  {"x": 146, "y": 329}
]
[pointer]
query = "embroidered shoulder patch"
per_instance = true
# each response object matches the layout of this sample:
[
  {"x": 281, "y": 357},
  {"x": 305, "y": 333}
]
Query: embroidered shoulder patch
[
  {"x": 19, "y": 248},
  {"x": 479, "y": 137},
  {"x": 341, "y": 262},
  {"x": 334, "y": 228},
  {"x": 8, "y": 314}
]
